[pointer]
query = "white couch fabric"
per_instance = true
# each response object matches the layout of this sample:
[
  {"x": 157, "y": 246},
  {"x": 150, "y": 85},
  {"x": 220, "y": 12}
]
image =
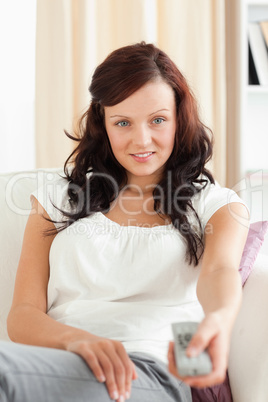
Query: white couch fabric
[
  {"x": 15, "y": 205},
  {"x": 248, "y": 366}
]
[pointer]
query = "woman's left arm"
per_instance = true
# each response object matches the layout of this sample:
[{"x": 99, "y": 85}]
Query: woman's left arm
[{"x": 219, "y": 291}]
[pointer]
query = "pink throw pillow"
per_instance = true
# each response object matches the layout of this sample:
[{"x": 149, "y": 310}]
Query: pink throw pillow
[{"x": 256, "y": 234}]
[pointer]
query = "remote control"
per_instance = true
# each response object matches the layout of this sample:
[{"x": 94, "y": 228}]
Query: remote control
[{"x": 189, "y": 366}]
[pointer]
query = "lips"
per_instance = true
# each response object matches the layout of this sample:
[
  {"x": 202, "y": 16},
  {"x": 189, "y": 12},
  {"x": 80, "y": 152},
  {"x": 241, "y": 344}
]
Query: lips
[{"x": 143, "y": 155}]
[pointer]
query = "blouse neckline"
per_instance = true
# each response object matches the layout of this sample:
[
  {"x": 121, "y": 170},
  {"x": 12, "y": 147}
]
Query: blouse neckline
[{"x": 142, "y": 227}]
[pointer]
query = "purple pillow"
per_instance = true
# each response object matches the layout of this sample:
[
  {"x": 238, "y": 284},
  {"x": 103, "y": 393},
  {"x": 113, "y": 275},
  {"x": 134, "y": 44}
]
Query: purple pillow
[{"x": 256, "y": 234}]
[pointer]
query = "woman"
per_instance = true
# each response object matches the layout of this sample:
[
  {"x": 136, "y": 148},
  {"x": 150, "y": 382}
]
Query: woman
[{"x": 134, "y": 238}]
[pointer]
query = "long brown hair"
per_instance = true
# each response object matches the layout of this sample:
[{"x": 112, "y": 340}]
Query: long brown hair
[{"x": 122, "y": 73}]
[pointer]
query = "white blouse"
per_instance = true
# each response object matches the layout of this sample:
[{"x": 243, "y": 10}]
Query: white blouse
[{"x": 127, "y": 283}]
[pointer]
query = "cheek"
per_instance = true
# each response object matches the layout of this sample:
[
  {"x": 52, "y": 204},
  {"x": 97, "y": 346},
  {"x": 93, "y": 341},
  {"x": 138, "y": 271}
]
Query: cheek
[
  {"x": 117, "y": 144},
  {"x": 168, "y": 139}
]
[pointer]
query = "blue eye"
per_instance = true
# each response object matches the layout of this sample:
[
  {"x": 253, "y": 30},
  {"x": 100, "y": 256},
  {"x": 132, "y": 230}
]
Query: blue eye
[
  {"x": 122, "y": 123},
  {"x": 158, "y": 120}
]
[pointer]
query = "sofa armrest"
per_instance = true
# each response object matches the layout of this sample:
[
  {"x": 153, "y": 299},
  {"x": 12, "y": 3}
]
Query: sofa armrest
[{"x": 248, "y": 364}]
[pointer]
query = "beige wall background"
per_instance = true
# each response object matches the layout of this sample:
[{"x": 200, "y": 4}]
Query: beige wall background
[{"x": 73, "y": 36}]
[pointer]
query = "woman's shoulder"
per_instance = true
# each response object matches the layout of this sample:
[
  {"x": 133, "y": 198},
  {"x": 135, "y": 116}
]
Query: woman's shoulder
[
  {"x": 52, "y": 194},
  {"x": 210, "y": 197}
]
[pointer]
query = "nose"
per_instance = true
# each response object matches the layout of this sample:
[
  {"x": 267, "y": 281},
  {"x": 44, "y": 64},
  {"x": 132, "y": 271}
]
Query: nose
[{"x": 142, "y": 136}]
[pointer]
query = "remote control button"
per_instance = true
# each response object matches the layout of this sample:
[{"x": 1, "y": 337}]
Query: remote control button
[{"x": 188, "y": 337}]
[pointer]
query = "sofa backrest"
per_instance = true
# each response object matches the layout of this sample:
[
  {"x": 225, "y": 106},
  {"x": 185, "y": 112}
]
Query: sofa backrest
[{"x": 15, "y": 206}]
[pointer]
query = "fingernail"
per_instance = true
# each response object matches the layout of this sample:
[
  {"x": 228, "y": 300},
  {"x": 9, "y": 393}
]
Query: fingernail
[
  {"x": 127, "y": 395},
  {"x": 121, "y": 398},
  {"x": 102, "y": 378},
  {"x": 115, "y": 395}
]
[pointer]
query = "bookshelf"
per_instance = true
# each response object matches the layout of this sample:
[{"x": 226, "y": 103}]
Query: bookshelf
[{"x": 253, "y": 118}]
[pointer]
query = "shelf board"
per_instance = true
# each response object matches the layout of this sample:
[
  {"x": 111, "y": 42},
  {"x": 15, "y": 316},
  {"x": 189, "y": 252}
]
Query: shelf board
[
  {"x": 257, "y": 2},
  {"x": 257, "y": 89}
]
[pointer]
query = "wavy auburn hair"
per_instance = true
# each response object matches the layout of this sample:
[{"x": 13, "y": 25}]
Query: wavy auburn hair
[{"x": 122, "y": 73}]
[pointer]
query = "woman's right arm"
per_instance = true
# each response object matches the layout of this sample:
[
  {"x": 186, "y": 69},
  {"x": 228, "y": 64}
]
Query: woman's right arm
[{"x": 28, "y": 322}]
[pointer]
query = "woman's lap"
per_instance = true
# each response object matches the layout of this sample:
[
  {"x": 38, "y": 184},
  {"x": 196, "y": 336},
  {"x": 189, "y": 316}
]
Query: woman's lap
[{"x": 29, "y": 373}]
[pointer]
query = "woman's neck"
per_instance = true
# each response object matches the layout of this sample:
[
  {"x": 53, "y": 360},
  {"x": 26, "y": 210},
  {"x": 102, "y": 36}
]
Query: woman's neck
[{"x": 144, "y": 185}]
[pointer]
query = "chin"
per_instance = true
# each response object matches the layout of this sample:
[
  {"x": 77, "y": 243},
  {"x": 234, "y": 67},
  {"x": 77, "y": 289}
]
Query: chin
[{"x": 146, "y": 174}]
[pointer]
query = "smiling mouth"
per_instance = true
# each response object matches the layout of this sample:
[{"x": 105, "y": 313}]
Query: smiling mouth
[{"x": 145, "y": 155}]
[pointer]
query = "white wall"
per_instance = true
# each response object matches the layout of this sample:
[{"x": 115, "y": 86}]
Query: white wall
[{"x": 17, "y": 84}]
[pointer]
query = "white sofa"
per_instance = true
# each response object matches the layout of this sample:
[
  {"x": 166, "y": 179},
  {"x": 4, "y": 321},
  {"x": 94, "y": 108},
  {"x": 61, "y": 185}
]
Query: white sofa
[{"x": 248, "y": 368}]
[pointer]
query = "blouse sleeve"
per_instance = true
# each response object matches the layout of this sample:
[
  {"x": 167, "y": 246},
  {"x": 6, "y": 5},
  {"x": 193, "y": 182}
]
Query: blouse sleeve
[
  {"x": 52, "y": 195},
  {"x": 212, "y": 198}
]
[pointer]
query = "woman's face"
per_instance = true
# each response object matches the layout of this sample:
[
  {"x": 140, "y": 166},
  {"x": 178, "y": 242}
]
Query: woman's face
[{"x": 141, "y": 130}]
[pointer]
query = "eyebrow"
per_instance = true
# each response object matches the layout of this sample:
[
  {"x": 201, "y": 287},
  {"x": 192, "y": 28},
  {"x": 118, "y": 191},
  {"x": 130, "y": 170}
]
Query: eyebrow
[
  {"x": 160, "y": 110},
  {"x": 126, "y": 117},
  {"x": 119, "y": 115}
]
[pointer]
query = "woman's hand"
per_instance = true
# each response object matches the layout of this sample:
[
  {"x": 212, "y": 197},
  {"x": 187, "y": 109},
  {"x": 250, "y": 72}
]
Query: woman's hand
[
  {"x": 109, "y": 363},
  {"x": 213, "y": 334}
]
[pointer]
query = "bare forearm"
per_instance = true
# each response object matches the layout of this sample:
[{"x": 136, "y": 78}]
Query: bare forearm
[
  {"x": 27, "y": 324},
  {"x": 221, "y": 291}
]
